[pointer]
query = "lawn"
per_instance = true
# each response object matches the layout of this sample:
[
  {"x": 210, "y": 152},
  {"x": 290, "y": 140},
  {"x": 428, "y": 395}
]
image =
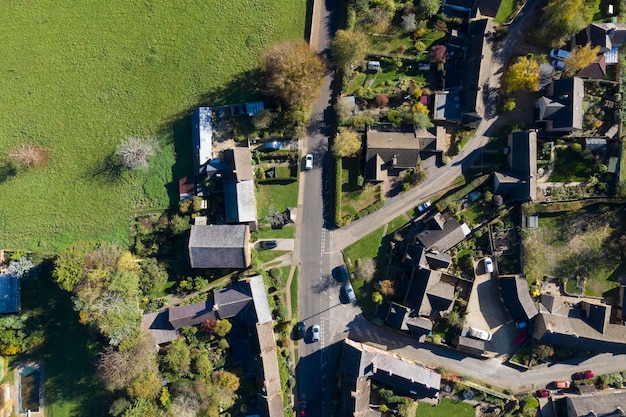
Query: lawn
[
  {"x": 570, "y": 165},
  {"x": 265, "y": 256},
  {"x": 287, "y": 232},
  {"x": 581, "y": 243},
  {"x": 397, "y": 223},
  {"x": 353, "y": 197},
  {"x": 445, "y": 408},
  {"x": 381, "y": 79},
  {"x": 275, "y": 196},
  {"x": 504, "y": 11},
  {"x": 366, "y": 248},
  {"x": 80, "y": 79}
]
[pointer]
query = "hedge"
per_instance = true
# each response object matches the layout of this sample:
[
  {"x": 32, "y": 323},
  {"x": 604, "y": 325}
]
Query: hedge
[{"x": 338, "y": 180}]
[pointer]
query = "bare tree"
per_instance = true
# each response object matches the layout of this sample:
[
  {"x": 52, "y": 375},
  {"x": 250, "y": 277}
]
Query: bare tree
[
  {"x": 134, "y": 152},
  {"x": 118, "y": 368},
  {"x": 409, "y": 23},
  {"x": 366, "y": 268},
  {"x": 28, "y": 155}
]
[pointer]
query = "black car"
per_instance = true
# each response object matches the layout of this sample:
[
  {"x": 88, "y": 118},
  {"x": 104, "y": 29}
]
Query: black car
[
  {"x": 301, "y": 327},
  {"x": 268, "y": 244},
  {"x": 342, "y": 273}
]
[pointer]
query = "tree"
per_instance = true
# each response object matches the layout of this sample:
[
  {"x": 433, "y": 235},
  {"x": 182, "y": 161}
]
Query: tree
[
  {"x": 382, "y": 100},
  {"x": 509, "y": 104},
  {"x": 153, "y": 276},
  {"x": 568, "y": 17},
  {"x": 293, "y": 73},
  {"x": 377, "y": 297},
  {"x": 430, "y": 7},
  {"x": 21, "y": 267},
  {"x": 422, "y": 121},
  {"x": 202, "y": 366},
  {"x": 409, "y": 22},
  {"x": 262, "y": 120},
  {"x": 523, "y": 75},
  {"x": 366, "y": 268},
  {"x": 118, "y": 368},
  {"x": 347, "y": 142},
  {"x": 439, "y": 53},
  {"x": 68, "y": 266},
  {"x": 145, "y": 385},
  {"x": 141, "y": 408},
  {"x": 387, "y": 287},
  {"x": 177, "y": 358},
  {"x": 134, "y": 152},
  {"x": 28, "y": 155},
  {"x": 13, "y": 335},
  {"x": 455, "y": 319},
  {"x": 222, "y": 327},
  {"x": 580, "y": 57},
  {"x": 349, "y": 49},
  {"x": 543, "y": 352}
]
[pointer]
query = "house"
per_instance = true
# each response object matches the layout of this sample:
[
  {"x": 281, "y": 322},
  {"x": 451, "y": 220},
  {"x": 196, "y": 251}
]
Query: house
[
  {"x": 520, "y": 181},
  {"x": 471, "y": 345},
  {"x": 516, "y": 297},
  {"x": 9, "y": 293},
  {"x": 486, "y": 8},
  {"x": 605, "y": 35},
  {"x": 186, "y": 187},
  {"x": 219, "y": 246},
  {"x": 361, "y": 363},
  {"x": 191, "y": 314},
  {"x": 458, "y": 8},
  {"x": 600, "y": 405},
  {"x": 447, "y": 106},
  {"x": 561, "y": 109},
  {"x": 441, "y": 232},
  {"x": 430, "y": 292},
  {"x": 594, "y": 71},
  {"x": 202, "y": 138},
  {"x": 416, "y": 256},
  {"x": 585, "y": 326},
  {"x": 397, "y": 316},
  {"x": 388, "y": 150}
]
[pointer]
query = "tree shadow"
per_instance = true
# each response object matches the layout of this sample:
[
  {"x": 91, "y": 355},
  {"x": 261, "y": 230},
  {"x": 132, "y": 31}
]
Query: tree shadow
[{"x": 7, "y": 170}]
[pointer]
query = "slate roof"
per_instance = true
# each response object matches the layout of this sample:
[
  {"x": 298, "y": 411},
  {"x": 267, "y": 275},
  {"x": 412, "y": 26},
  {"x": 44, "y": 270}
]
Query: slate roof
[
  {"x": 441, "y": 232},
  {"x": 596, "y": 70},
  {"x": 270, "y": 402},
  {"x": 418, "y": 256},
  {"x": 520, "y": 182},
  {"x": 191, "y": 314},
  {"x": 9, "y": 293},
  {"x": 158, "y": 326},
  {"x": 186, "y": 187},
  {"x": 605, "y": 35},
  {"x": 429, "y": 291},
  {"x": 471, "y": 345},
  {"x": 240, "y": 161},
  {"x": 239, "y": 201},
  {"x": 419, "y": 325},
  {"x": 487, "y": 7},
  {"x": 230, "y": 301},
  {"x": 259, "y": 297},
  {"x": 219, "y": 246},
  {"x": 516, "y": 297},
  {"x": 562, "y": 107},
  {"x": 374, "y": 168},
  {"x": 601, "y": 405},
  {"x": 471, "y": 69},
  {"x": 202, "y": 137},
  {"x": 553, "y": 304},
  {"x": 397, "y": 316},
  {"x": 401, "y": 147},
  {"x": 447, "y": 106}
]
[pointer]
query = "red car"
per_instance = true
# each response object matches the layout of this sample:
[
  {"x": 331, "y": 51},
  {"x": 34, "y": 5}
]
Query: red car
[
  {"x": 520, "y": 338},
  {"x": 303, "y": 408},
  {"x": 583, "y": 375}
]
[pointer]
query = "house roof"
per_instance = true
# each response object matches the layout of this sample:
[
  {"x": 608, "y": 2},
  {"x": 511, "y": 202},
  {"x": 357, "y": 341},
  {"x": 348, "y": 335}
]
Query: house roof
[
  {"x": 240, "y": 161},
  {"x": 471, "y": 345},
  {"x": 158, "y": 326},
  {"x": 429, "y": 291},
  {"x": 602, "y": 404},
  {"x": 191, "y": 314},
  {"x": 230, "y": 301},
  {"x": 596, "y": 315},
  {"x": 563, "y": 106},
  {"x": 516, "y": 297},
  {"x": 219, "y": 246},
  {"x": 419, "y": 325},
  {"x": 374, "y": 168},
  {"x": 426, "y": 138},
  {"x": 202, "y": 137},
  {"x": 259, "y": 296},
  {"x": 607, "y": 35},
  {"x": 441, "y": 232},
  {"x": 186, "y": 186},
  {"x": 553, "y": 304},
  {"x": 487, "y": 7},
  {"x": 397, "y": 316},
  {"x": 270, "y": 402},
  {"x": 9, "y": 293},
  {"x": 239, "y": 201},
  {"x": 400, "y": 148},
  {"x": 520, "y": 182},
  {"x": 472, "y": 66},
  {"x": 596, "y": 70},
  {"x": 254, "y": 107},
  {"x": 418, "y": 256}
]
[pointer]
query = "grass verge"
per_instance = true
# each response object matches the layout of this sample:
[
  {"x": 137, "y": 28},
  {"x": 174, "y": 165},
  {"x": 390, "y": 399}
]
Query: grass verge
[
  {"x": 294, "y": 294},
  {"x": 366, "y": 248}
]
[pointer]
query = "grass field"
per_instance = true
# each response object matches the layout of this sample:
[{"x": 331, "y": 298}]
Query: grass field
[
  {"x": 446, "y": 408},
  {"x": 80, "y": 78}
]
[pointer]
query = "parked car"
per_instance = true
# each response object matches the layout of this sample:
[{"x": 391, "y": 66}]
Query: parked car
[
  {"x": 302, "y": 407},
  {"x": 273, "y": 146},
  {"x": 488, "y": 265},
  {"x": 342, "y": 273},
  {"x": 521, "y": 324},
  {"x": 545, "y": 392},
  {"x": 520, "y": 338},
  {"x": 479, "y": 334},
  {"x": 268, "y": 244},
  {"x": 423, "y": 207},
  {"x": 583, "y": 375},
  {"x": 349, "y": 292},
  {"x": 301, "y": 327},
  {"x": 559, "y": 54},
  {"x": 562, "y": 384},
  {"x": 308, "y": 161},
  {"x": 315, "y": 333},
  {"x": 558, "y": 65}
]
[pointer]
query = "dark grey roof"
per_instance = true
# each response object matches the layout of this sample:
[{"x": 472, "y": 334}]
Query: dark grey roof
[
  {"x": 158, "y": 326},
  {"x": 239, "y": 201},
  {"x": 219, "y": 246},
  {"x": 374, "y": 168},
  {"x": 471, "y": 69},
  {"x": 399, "y": 146},
  {"x": 487, "y": 7},
  {"x": 441, "y": 232},
  {"x": 232, "y": 300},
  {"x": 397, "y": 316},
  {"x": 191, "y": 314},
  {"x": 516, "y": 297},
  {"x": 596, "y": 70},
  {"x": 520, "y": 182},
  {"x": 9, "y": 293},
  {"x": 596, "y": 315},
  {"x": 562, "y": 109},
  {"x": 417, "y": 256},
  {"x": 600, "y": 405},
  {"x": 471, "y": 345},
  {"x": 553, "y": 304},
  {"x": 419, "y": 325},
  {"x": 429, "y": 291},
  {"x": 607, "y": 35}
]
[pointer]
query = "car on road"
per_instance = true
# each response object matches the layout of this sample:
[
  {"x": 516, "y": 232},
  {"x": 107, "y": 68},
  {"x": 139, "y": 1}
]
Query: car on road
[
  {"x": 561, "y": 384},
  {"x": 308, "y": 162},
  {"x": 301, "y": 327},
  {"x": 349, "y": 292},
  {"x": 315, "y": 333},
  {"x": 559, "y": 54},
  {"x": 302, "y": 407},
  {"x": 583, "y": 375},
  {"x": 273, "y": 146},
  {"x": 520, "y": 338},
  {"x": 488, "y": 265},
  {"x": 423, "y": 207},
  {"x": 268, "y": 244},
  {"x": 479, "y": 334},
  {"x": 341, "y": 272}
]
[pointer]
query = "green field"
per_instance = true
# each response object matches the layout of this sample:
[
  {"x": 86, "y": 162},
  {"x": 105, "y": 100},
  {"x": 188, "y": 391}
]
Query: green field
[
  {"x": 446, "y": 408},
  {"x": 80, "y": 78}
]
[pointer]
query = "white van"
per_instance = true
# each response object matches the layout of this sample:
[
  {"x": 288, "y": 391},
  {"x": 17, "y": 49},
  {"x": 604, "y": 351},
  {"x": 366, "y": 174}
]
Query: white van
[
  {"x": 479, "y": 334},
  {"x": 308, "y": 162}
]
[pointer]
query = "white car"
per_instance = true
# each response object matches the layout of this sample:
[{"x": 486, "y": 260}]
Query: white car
[
  {"x": 422, "y": 207},
  {"x": 308, "y": 162},
  {"x": 315, "y": 330},
  {"x": 488, "y": 265},
  {"x": 479, "y": 334},
  {"x": 559, "y": 54}
]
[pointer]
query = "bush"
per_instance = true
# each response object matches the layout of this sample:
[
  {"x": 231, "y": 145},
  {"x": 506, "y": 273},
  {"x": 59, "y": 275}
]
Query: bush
[{"x": 282, "y": 313}]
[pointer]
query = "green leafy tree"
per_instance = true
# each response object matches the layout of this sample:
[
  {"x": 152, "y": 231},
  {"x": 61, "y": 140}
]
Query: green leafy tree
[
  {"x": 13, "y": 334},
  {"x": 293, "y": 73},
  {"x": 580, "y": 57},
  {"x": 349, "y": 48},
  {"x": 145, "y": 385},
  {"x": 177, "y": 359},
  {"x": 222, "y": 327},
  {"x": 153, "y": 276},
  {"x": 202, "y": 366},
  {"x": 68, "y": 266},
  {"x": 377, "y": 297},
  {"x": 347, "y": 142},
  {"x": 141, "y": 408},
  {"x": 523, "y": 75},
  {"x": 422, "y": 121},
  {"x": 117, "y": 368},
  {"x": 568, "y": 17},
  {"x": 430, "y": 7}
]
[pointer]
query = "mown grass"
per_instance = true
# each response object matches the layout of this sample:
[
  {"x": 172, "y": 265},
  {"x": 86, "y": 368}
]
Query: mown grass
[
  {"x": 570, "y": 165},
  {"x": 366, "y": 248},
  {"x": 287, "y": 232},
  {"x": 445, "y": 408},
  {"x": 275, "y": 197},
  {"x": 504, "y": 11},
  {"x": 81, "y": 78},
  {"x": 397, "y": 223}
]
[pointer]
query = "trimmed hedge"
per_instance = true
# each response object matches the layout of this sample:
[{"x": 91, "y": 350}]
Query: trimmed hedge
[{"x": 338, "y": 180}]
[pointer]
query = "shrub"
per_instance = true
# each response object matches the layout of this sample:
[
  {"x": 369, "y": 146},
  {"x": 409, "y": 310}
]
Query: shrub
[
  {"x": 382, "y": 100},
  {"x": 282, "y": 313},
  {"x": 28, "y": 155}
]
